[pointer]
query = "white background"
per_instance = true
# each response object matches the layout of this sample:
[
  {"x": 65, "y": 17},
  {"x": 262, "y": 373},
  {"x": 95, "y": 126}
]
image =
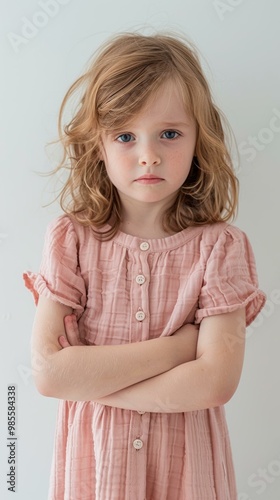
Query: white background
[{"x": 240, "y": 43}]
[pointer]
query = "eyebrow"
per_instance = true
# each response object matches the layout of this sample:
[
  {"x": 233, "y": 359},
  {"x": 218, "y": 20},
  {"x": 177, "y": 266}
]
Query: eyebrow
[{"x": 175, "y": 124}]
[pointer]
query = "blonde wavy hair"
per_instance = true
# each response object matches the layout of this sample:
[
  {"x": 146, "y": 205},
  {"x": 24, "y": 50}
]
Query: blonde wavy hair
[{"x": 126, "y": 71}]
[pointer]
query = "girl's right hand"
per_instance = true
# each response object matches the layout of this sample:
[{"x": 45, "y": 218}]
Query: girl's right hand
[
  {"x": 186, "y": 339},
  {"x": 72, "y": 337}
]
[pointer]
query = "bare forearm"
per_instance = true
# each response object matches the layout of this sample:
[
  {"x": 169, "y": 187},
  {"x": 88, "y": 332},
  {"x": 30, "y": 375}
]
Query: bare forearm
[
  {"x": 208, "y": 381},
  {"x": 188, "y": 387},
  {"x": 86, "y": 373}
]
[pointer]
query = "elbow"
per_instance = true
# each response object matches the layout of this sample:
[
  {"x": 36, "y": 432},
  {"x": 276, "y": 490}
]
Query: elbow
[
  {"x": 223, "y": 392},
  {"x": 222, "y": 397},
  {"x": 43, "y": 387},
  {"x": 43, "y": 376},
  {"x": 222, "y": 383}
]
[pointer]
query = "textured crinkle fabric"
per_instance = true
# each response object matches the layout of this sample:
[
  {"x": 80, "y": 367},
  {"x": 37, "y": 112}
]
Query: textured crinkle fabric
[{"x": 105, "y": 453}]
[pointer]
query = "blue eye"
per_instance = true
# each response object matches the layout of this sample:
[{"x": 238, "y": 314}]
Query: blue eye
[
  {"x": 170, "y": 134},
  {"x": 124, "y": 138}
]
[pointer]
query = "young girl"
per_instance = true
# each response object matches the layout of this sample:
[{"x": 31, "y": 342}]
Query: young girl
[{"x": 160, "y": 284}]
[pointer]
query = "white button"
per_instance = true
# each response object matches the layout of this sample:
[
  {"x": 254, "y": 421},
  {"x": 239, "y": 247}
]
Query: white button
[
  {"x": 137, "y": 443},
  {"x": 140, "y": 315},
  {"x": 144, "y": 246},
  {"x": 141, "y": 412},
  {"x": 140, "y": 279}
]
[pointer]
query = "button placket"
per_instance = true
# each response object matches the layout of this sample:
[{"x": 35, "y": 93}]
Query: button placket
[
  {"x": 140, "y": 277},
  {"x": 139, "y": 432}
]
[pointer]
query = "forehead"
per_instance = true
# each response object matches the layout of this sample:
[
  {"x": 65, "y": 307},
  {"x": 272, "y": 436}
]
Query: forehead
[{"x": 165, "y": 105}]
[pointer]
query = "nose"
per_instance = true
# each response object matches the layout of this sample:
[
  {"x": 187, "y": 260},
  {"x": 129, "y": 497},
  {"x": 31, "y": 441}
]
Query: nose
[{"x": 149, "y": 157}]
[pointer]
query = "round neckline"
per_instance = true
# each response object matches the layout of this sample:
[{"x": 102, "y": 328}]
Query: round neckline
[{"x": 156, "y": 244}]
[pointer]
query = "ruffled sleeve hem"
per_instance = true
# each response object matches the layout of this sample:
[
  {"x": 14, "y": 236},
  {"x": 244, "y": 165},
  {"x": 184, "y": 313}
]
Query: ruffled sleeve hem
[
  {"x": 36, "y": 284},
  {"x": 59, "y": 277},
  {"x": 253, "y": 305},
  {"x": 230, "y": 278},
  {"x": 29, "y": 279}
]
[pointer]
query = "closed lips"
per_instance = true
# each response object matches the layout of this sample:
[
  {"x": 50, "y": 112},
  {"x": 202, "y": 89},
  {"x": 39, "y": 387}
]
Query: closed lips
[{"x": 149, "y": 177}]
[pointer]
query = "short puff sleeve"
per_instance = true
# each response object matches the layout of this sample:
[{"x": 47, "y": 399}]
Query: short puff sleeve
[
  {"x": 230, "y": 280},
  {"x": 59, "y": 277}
]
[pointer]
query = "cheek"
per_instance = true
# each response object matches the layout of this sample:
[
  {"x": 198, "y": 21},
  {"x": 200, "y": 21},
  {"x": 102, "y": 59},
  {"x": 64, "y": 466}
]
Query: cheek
[
  {"x": 118, "y": 168},
  {"x": 182, "y": 164}
]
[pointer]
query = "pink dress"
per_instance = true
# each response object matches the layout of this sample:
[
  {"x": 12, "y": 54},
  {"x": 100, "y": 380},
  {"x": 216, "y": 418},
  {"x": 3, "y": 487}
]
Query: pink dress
[{"x": 105, "y": 453}]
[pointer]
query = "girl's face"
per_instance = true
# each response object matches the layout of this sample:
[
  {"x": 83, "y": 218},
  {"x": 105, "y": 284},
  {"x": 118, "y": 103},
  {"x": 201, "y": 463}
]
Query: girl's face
[{"x": 149, "y": 158}]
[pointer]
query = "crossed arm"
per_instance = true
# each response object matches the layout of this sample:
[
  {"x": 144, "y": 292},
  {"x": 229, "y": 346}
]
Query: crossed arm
[
  {"x": 187, "y": 371},
  {"x": 209, "y": 380}
]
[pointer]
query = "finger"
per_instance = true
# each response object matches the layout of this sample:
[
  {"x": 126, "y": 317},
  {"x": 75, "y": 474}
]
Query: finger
[
  {"x": 71, "y": 329},
  {"x": 63, "y": 341}
]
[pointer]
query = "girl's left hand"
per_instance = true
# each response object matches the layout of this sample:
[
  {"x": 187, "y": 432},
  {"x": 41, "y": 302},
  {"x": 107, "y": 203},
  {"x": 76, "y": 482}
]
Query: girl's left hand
[{"x": 72, "y": 337}]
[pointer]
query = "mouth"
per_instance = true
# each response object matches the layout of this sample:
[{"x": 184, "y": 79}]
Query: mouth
[{"x": 149, "y": 179}]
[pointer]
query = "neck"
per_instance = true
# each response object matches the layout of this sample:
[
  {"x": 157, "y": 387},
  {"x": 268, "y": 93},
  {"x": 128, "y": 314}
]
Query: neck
[
  {"x": 143, "y": 220},
  {"x": 142, "y": 230}
]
